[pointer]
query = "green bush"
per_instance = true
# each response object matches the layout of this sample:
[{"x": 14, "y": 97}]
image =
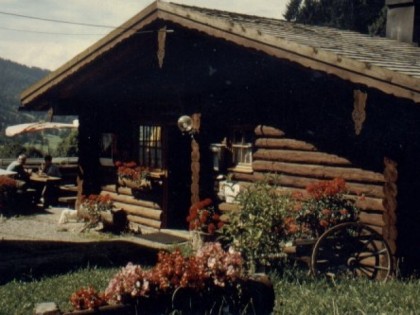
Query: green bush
[{"x": 257, "y": 230}]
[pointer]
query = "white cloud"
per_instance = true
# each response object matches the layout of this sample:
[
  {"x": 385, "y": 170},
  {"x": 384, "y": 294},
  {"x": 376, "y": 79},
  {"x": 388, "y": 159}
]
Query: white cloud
[{"x": 51, "y": 51}]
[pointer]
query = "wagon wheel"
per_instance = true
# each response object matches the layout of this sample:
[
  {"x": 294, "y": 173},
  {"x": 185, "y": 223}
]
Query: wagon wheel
[{"x": 352, "y": 249}]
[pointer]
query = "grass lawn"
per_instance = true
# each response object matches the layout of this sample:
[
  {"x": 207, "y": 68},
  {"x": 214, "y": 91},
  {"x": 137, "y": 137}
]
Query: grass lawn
[{"x": 296, "y": 293}]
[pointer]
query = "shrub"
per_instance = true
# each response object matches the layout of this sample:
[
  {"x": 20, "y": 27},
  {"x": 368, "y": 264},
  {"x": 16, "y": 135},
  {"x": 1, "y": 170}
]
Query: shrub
[{"x": 257, "y": 230}]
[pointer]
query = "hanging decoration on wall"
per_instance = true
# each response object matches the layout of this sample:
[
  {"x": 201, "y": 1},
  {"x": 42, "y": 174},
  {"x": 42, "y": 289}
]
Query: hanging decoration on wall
[
  {"x": 359, "y": 111},
  {"x": 161, "y": 45}
]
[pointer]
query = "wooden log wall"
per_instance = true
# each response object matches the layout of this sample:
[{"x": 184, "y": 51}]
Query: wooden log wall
[
  {"x": 142, "y": 213},
  {"x": 299, "y": 163}
]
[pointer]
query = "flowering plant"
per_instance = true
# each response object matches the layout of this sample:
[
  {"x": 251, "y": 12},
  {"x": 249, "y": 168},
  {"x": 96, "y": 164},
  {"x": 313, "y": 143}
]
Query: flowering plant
[
  {"x": 132, "y": 172},
  {"x": 203, "y": 217},
  {"x": 87, "y": 298},
  {"x": 210, "y": 266},
  {"x": 325, "y": 207},
  {"x": 94, "y": 205}
]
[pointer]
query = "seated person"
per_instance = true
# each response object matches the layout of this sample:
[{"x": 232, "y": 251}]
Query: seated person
[
  {"x": 49, "y": 168},
  {"x": 22, "y": 174},
  {"x": 50, "y": 191}
]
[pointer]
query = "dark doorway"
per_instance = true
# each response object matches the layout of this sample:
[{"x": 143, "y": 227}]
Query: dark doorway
[{"x": 179, "y": 178}]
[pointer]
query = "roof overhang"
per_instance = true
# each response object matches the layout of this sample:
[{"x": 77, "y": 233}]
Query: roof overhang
[{"x": 404, "y": 83}]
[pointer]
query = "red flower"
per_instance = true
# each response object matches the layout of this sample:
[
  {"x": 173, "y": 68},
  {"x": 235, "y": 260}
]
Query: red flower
[
  {"x": 324, "y": 223},
  {"x": 344, "y": 212}
]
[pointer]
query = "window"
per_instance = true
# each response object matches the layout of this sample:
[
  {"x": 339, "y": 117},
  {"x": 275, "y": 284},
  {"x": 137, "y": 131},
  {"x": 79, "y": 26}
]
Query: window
[
  {"x": 242, "y": 147},
  {"x": 150, "y": 146}
]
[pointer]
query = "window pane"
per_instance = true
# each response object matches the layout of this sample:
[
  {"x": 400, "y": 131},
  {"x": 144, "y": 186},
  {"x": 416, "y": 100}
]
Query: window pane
[{"x": 150, "y": 146}]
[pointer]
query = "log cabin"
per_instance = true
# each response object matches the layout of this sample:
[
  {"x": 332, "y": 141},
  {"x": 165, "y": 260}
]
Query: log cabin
[{"x": 259, "y": 96}]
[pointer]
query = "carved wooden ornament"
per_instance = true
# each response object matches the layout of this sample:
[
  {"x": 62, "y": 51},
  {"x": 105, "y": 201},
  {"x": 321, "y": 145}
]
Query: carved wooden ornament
[
  {"x": 359, "y": 111},
  {"x": 161, "y": 46}
]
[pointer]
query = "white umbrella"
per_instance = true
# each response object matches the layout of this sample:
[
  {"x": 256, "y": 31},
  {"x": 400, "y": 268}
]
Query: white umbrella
[{"x": 33, "y": 127}]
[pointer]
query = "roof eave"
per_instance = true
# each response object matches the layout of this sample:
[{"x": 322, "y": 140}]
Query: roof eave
[
  {"x": 346, "y": 68},
  {"x": 126, "y": 30}
]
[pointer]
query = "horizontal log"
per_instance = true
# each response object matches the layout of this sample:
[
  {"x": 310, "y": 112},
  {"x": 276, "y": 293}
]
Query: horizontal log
[
  {"x": 131, "y": 200},
  {"x": 371, "y": 219},
  {"x": 367, "y": 203},
  {"x": 363, "y": 203},
  {"x": 310, "y": 157},
  {"x": 284, "y": 144},
  {"x": 140, "y": 211},
  {"x": 268, "y": 131},
  {"x": 226, "y": 207},
  {"x": 121, "y": 190},
  {"x": 320, "y": 172},
  {"x": 302, "y": 182},
  {"x": 144, "y": 221}
]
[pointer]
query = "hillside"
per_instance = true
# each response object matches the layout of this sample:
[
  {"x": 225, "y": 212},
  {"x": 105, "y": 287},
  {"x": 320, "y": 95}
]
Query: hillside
[{"x": 14, "y": 78}]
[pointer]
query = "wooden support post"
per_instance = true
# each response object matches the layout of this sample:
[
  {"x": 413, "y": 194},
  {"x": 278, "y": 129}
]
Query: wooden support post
[{"x": 195, "y": 160}]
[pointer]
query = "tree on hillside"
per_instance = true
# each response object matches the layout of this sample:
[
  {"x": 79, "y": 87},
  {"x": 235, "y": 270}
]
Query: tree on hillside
[
  {"x": 69, "y": 145},
  {"x": 364, "y": 16}
]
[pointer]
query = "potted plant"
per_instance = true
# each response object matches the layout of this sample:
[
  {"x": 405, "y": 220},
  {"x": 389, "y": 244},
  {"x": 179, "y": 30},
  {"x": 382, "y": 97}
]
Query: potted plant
[
  {"x": 203, "y": 222},
  {"x": 133, "y": 176},
  {"x": 93, "y": 208}
]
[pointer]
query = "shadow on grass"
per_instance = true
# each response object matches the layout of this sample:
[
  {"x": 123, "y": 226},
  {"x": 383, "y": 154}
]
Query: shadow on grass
[{"x": 29, "y": 260}]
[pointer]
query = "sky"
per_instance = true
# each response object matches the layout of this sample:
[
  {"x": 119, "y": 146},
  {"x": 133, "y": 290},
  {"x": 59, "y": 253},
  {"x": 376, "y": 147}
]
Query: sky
[{"x": 48, "y": 45}]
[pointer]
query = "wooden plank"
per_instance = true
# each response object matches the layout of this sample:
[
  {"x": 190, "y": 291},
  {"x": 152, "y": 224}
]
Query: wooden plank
[
  {"x": 299, "y": 156},
  {"x": 139, "y": 211},
  {"x": 144, "y": 221},
  {"x": 121, "y": 190},
  {"x": 284, "y": 144},
  {"x": 320, "y": 172},
  {"x": 131, "y": 200},
  {"x": 371, "y": 219}
]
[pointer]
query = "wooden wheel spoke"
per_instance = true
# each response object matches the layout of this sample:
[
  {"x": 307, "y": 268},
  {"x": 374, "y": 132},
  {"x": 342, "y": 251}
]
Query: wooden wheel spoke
[
  {"x": 372, "y": 254},
  {"x": 373, "y": 267},
  {"x": 366, "y": 272}
]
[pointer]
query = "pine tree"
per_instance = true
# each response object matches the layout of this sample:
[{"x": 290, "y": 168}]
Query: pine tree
[{"x": 358, "y": 15}]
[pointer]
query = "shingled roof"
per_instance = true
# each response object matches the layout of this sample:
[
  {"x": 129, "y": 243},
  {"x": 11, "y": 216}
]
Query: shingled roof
[{"x": 387, "y": 65}]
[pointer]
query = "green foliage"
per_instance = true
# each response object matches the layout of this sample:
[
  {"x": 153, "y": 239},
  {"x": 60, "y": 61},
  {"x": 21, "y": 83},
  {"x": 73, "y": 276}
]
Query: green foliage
[
  {"x": 292, "y": 10},
  {"x": 296, "y": 293},
  {"x": 299, "y": 293},
  {"x": 356, "y": 15},
  {"x": 69, "y": 145},
  {"x": 257, "y": 230},
  {"x": 18, "y": 297},
  {"x": 10, "y": 149}
]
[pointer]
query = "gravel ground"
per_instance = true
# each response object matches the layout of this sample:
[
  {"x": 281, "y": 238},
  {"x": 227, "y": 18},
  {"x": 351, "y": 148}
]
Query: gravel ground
[
  {"x": 42, "y": 226},
  {"x": 36, "y": 245}
]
